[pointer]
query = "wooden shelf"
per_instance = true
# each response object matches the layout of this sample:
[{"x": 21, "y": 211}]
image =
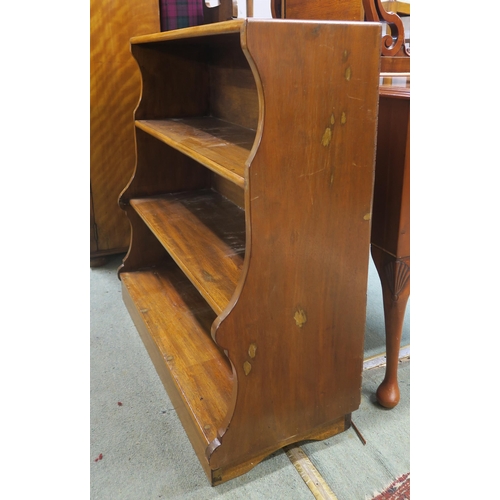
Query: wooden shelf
[
  {"x": 224, "y": 27},
  {"x": 254, "y": 318},
  {"x": 174, "y": 323},
  {"x": 217, "y": 144},
  {"x": 205, "y": 234}
]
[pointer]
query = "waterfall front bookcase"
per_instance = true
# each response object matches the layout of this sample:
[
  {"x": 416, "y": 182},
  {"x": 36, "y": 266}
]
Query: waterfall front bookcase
[{"x": 250, "y": 209}]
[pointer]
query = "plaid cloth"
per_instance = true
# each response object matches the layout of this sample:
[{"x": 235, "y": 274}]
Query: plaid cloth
[{"x": 176, "y": 14}]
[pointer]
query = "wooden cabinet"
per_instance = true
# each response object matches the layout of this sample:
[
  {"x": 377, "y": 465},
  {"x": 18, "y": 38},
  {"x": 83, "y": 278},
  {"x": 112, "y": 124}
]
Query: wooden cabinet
[
  {"x": 115, "y": 86},
  {"x": 250, "y": 210}
]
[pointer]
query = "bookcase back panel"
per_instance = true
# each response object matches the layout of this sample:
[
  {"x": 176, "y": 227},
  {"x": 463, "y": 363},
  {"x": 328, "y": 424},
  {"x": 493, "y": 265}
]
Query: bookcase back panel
[
  {"x": 229, "y": 190},
  {"x": 233, "y": 93},
  {"x": 175, "y": 80},
  {"x": 200, "y": 77},
  {"x": 162, "y": 169}
]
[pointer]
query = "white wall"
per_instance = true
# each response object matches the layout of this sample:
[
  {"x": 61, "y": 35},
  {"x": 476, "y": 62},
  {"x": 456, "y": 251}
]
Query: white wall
[{"x": 261, "y": 8}]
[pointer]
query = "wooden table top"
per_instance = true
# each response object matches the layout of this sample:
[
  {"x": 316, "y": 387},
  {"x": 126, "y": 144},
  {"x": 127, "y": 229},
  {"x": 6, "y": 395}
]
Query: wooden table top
[{"x": 395, "y": 85}]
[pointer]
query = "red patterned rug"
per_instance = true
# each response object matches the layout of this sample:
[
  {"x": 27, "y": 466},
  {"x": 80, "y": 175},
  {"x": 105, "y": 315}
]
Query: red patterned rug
[{"x": 398, "y": 490}]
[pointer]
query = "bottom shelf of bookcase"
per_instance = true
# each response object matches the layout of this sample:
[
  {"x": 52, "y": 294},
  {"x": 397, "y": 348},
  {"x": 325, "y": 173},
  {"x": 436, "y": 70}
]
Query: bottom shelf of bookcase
[{"x": 174, "y": 323}]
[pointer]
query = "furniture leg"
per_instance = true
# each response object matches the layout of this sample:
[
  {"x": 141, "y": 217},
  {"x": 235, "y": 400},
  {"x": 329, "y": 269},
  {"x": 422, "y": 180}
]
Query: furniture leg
[{"x": 394, "y": 275}]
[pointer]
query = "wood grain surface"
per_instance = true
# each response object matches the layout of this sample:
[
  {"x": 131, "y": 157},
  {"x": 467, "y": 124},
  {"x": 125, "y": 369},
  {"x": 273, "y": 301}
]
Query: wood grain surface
[
  {"x": 287, "y": 276},
  {"x": 205, "y": 234},
  {"x": 115, "y": 86}
]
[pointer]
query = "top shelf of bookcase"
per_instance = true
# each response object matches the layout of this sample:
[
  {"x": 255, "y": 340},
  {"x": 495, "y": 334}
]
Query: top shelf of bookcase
[
  {"x": 221, "y": 28},
  {"x": 221, "y": 146}
]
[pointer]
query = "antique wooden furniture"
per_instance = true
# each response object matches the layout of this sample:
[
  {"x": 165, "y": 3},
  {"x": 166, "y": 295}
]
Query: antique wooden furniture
[
  {"x": 395, "y": 53},
  {"x": 250, "y": 211},
  {"x": 346, "y": 10},
  {"x": 114, "y": 91},
  {"x": 391, "y": 210},
  {"x": 390, "y": 238},
  {"x": 391, "y": 199}
]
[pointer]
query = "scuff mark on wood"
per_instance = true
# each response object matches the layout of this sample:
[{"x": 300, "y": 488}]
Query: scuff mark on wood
[
  {"x": 207, "y": 276},
  {"x": 247, "y": 367},
  {"x": 311, "y": 173},
  {"x": 252, "y": 350},
  {"x": 300, "y": 318},
  {"x": 327, "y": 137}
]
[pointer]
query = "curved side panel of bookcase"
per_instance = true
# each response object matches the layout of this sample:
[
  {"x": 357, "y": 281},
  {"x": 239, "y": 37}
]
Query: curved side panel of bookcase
[
  {"x": 294, "y": 331},
  {"x": 248, "y": 232}
]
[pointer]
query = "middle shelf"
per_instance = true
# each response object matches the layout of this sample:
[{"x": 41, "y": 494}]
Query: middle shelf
[{"x": 205, "y": 235}]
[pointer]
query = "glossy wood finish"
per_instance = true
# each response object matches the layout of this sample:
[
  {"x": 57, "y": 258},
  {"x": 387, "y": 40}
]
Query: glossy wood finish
[
  {"x": 114, "y": 92},
  {"x": 391, "y": 209},
  {"x": 188, "y": 221},
  {"x": 342, "y": 10},
  {"x": 396, "y": 56},
  {"x": 167, "y": 300},
  {"x": 391, "y": 221},
  {"x": 222, "y": 146},
  {"x": 290, "y": 108}
]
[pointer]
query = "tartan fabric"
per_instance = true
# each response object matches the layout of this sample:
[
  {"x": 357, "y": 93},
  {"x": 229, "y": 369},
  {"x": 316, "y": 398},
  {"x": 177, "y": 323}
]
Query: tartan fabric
[{"x": 176, "y": 14}]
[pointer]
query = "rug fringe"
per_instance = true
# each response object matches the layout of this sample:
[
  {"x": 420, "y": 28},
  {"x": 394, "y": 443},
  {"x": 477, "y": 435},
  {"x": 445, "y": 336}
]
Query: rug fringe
[{"x": 399, "y": 489}]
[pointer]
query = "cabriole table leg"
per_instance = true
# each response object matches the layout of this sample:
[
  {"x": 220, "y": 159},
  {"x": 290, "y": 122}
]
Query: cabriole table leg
[{"x": 394, "y": 275}]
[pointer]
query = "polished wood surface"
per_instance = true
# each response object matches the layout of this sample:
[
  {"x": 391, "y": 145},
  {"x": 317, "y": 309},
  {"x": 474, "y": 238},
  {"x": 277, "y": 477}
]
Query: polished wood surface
[
  {"x": 345, "y": 10},
  {"x": 186, "y": 222},
  {"x": 169, "y": 303},
  {"x": 391, "y": 221},
  {"x": 395, "y": 53},
  {"x": 114, "y": 92},
  {"x": 396, "y": 56},
  {"x": 284, "y": 276},
  {"x": 219, "y": 145},
  {"x": 391, "y": 209}
]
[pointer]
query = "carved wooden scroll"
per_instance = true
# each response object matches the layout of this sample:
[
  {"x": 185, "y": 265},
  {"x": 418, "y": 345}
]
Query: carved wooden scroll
[
  {"x": 392, "y": 43},
  {"x": 396, "y": 56}
]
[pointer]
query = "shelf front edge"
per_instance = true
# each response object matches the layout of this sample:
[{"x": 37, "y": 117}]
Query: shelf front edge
[{"x": 220, "y": 28}]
